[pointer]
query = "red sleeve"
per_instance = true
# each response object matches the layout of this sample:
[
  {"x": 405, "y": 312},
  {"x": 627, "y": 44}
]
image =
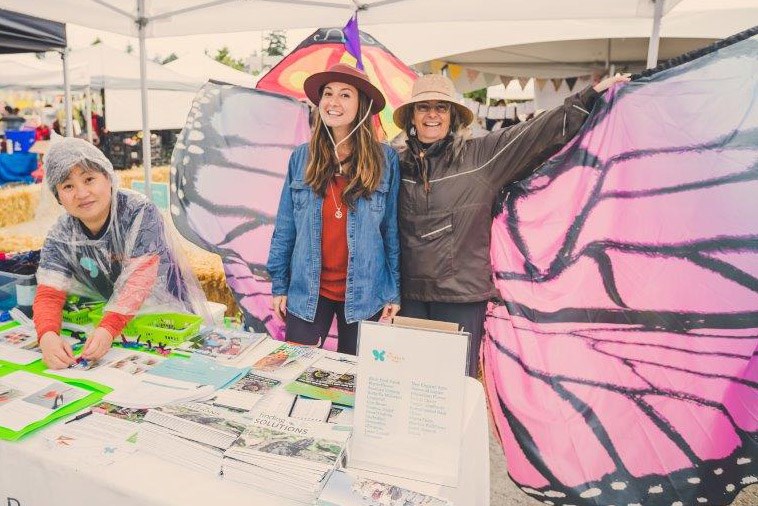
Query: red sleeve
[
  {"x": 48, "y": 309},
  {"x": 133, "y": 293}
]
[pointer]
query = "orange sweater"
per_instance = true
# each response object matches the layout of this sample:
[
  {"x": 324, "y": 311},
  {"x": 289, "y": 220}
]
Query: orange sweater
[
  {"x": 49, "y": 301},
  {"x": 334, "y": 251}
]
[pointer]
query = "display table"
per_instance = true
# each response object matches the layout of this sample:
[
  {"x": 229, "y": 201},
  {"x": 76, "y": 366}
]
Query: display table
[
  {"x": 31, "y": 476},
  {"x": 17, "y": 167}
]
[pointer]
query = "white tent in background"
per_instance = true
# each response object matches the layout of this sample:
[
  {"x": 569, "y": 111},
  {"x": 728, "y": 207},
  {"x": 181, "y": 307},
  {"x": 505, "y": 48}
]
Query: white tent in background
[
  {"x": 204, "y": 68},
  {"x": 116, "y": 69},
  {"x": 116, "y": 72},
  {"x": 512, "y": 92},
  {"x": 23, "y": 71}
]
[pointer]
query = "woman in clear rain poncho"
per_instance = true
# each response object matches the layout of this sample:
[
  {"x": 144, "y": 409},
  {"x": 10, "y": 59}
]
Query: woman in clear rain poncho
[{"x": 110, "y": 245}]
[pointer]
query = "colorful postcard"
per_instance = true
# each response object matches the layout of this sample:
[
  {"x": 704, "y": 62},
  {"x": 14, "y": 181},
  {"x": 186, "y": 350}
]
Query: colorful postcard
[
  {"x": 56, "y": 396},
  {"x": 281, "y": 356},
  {"x": 222, "y": 343},
  {"x": 19, "y": 337},
  {"x": 136, "y": 363}
]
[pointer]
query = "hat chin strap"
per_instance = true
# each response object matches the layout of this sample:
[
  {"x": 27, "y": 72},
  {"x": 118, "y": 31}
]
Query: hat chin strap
[{"x": 336, "y": 144}]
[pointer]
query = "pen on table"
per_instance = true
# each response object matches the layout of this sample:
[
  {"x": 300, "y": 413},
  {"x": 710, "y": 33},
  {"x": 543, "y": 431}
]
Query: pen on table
[{"x": 78, "y": 417}]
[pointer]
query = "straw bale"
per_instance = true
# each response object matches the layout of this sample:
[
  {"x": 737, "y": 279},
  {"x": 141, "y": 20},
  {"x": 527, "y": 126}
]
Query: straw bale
[{"x": 17, "y": 204}]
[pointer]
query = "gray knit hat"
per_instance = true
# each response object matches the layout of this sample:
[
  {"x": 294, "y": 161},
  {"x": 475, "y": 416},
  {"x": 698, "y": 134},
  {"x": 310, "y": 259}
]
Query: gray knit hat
[{"x": 67, "y": 152}]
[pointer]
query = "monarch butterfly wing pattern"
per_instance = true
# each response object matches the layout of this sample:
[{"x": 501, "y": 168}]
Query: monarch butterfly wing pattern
[
  {"x": 227, "y": 172},
  {"x": 622, "y": 368}
]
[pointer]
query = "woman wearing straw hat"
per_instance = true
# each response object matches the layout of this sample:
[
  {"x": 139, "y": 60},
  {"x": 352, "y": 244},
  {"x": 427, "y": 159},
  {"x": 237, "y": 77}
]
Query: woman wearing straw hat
[
  {"x": 335, "y": 248},
  {"x": 449, "y": 184}
]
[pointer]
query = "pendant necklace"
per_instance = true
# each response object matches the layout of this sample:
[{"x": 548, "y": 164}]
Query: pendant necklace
[{"x": 338, "y": 212}]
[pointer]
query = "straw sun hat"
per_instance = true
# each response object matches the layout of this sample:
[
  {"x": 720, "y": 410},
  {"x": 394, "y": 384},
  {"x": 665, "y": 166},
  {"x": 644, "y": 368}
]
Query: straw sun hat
[
  {"x": 342, "y": 73},
  {"x": 432, "y": 87}
]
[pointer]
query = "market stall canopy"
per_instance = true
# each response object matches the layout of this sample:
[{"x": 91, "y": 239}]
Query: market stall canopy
[
  {"x": 116, "y": 69},
  {"x": 27, "y": 72},
  {"x": 20, "y": 33},
  {"x": 544, "y": 44},
  {"x": 204, "y": 68},
  {"x": 185, "y": 17}
]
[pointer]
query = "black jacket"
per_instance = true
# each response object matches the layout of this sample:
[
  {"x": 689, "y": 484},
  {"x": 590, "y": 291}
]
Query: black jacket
[{"x": 445, "y": 209}]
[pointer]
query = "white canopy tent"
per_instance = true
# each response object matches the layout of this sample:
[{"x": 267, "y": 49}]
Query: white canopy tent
[
  {"x": 161, "y": 18},
  {"x": 26, "y": 71},
  {"x": 202, "y": 67},
  {"x": 569, "y": 48}
]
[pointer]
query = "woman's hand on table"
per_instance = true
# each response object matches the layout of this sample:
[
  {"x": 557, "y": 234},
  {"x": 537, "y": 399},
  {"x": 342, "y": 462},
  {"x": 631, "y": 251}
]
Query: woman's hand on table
[
  {"x": 390, "y": 310},
  {"x": 97, "y": 345},
  {"x": 280, "y": 306},
  {"x": 56, "y": 352}
]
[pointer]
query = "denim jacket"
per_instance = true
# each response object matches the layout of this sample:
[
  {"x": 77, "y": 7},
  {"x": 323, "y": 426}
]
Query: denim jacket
[{"x": 373, "y": 268}]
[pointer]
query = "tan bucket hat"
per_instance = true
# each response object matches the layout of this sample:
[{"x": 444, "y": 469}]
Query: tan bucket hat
[{"x": 432, "y": 87}]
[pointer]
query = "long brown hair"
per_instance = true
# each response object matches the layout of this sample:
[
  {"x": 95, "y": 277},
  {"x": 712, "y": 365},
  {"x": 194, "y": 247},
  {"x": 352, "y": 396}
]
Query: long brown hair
[{"x": 365, "y": 162}]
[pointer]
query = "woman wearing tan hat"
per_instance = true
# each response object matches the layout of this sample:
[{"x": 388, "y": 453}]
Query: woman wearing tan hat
[
  {"x": 335, "y": 248},
  {"x": 449, "y": 184}
]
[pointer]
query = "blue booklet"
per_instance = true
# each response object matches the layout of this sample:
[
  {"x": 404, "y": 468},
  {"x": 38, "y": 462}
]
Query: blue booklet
[{"x": 200, "y": 370}]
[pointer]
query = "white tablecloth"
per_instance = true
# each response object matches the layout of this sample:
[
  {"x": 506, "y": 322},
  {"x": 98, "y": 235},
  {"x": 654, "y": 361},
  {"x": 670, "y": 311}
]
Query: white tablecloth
[{"x": 30, "y": 476}]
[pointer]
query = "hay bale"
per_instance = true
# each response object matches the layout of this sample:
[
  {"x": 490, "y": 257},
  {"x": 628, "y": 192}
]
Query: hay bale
[
  {"x": 17, "y": 204},
  {"x": 157, "y": 174}
]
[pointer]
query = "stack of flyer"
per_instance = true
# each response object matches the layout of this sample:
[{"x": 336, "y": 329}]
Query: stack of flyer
[
  {"x": 191, "y": 434},
  {"x": 286, "y": 457}
]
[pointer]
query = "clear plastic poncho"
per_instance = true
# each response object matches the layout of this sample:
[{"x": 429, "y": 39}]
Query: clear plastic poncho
[{"x": 133, "y": 264}]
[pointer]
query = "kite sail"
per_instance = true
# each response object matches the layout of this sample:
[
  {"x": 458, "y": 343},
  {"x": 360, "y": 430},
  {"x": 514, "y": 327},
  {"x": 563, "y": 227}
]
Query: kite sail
[
  {"x": 227, "y": 172},
  {"x": 326, "y": 47},
  {"x": 622, "y": 368}
]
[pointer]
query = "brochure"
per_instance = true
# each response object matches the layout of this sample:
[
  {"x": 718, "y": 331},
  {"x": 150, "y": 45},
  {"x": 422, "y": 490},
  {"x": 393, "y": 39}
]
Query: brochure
[{"x": 221, "y": 343}]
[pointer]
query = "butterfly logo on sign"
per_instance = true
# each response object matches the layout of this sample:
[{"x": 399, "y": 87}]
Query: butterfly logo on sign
[{"x": 378, "y": 355}]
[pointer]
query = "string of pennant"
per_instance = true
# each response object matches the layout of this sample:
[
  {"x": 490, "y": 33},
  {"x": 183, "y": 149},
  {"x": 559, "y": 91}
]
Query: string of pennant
[{"x": 474, "y": 79}]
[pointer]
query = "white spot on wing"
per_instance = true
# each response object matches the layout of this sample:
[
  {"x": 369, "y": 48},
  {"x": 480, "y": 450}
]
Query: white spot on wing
[
  {"x": 592, "y": 492},
  {"x": 174, "y": 210},
  {"x": 658, "y": 489},
  {"x": 743, "y": 460},
  {"x": 718, "y": 471},
  {"x": 553, "y": 493},
  {"x": 194, "y": 149},
  {"x": 730, "y": 488},
  {"x": 196, "y": 135},
  {"x": 618, "y": 485},
  {"x": 694, "y": 480},
  {"x": 747, "y": 480}
]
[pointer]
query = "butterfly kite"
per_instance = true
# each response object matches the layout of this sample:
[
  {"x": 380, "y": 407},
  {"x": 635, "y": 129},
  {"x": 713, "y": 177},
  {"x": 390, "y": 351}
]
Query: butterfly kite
[
  {"x": 622, "y": 367},
  {"x": 324, "y": 48}
]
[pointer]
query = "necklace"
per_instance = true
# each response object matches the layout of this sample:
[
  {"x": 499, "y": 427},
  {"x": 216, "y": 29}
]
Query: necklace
[{"x": 338, "y": 212}]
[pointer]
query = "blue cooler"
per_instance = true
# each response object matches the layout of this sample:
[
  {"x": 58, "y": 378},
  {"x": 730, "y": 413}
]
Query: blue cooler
[{"x": 22, "y": 139}]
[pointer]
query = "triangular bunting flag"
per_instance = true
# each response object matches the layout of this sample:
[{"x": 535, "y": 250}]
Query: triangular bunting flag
[
  {"x": 540, "y": 83},
  {"x": 523, "y": 81},
  {"x": 505, "y": 80},
  {"x": 556, "y": 83},
  {"x": 436, "y": 66},
  {"x": 472, "y": 74},
  {"x": 571, "y": 81},
  {"x": 454, "y": 71}
]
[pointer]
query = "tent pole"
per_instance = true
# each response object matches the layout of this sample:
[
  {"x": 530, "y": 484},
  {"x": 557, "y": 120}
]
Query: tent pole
[
  {"x": 652, "y": 48},
  {"x": 146, "y": 162},
  {"x": 67, "y": 94},
  {"x": 88, "y": 112}
]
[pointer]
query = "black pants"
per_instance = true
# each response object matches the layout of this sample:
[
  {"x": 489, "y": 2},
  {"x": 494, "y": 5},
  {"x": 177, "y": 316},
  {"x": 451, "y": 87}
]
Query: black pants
[
  {"x": 303, "y": 332},
  {"x": 469, "y": 315}
]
